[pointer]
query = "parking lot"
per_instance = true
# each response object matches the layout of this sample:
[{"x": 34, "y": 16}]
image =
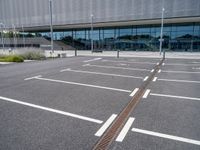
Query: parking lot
[{"x": 70, "y": 103}]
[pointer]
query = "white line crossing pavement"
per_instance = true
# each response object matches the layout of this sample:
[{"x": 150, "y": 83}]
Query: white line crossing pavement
[
  {"x": 106, "y": 125},
  {"x": 114, "y": 67},
  {"x": 175, "y": 96},
  {"x": 134, "y": 92},
  {"x": 92, "y": 60},
  {"x": 100, "y": 73},
  {"x": 82, "y": 84},
  {"x": 125, "y": 130},
  {"x": 166, "y": 136},
  {"x": 175, "y": 80},
  {"x": 146, "y": 93},
  {"x": 51, "y": 110}
]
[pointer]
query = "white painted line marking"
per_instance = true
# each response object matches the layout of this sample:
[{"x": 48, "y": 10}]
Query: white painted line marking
[
  {"x": 26, "y": 79},
  {"x": 174, "y": 96},
  {"x": 135, "y": 62},
  {"x": 166, "y": 136},
  {"x": 145, "y": 79},
  {"x": 113, "y": 67},
  {"x": 82, "y": 84},
  {"x": 106, "y": 125},
  {"x": 154, "y": 79},
  {"x": 134, "y": 92},
  {"x": 163, "y": 64},
  {"x": 196, "y": 62},
  {"x": 100, "y": 73},
  {"x": 92, "y": 60},
  {"x": 152, "y": 70},
  {"x": 52, "y": 110},
  {"x": 196, "y": 68},
  {"x": 159, "y": 71},
  {"x": 184, "y": 81},
  {"x": 174, "y": 64},
  {"x": 125, "y": 129},
  {"x": 63, "y": 70},
  {"x": 85, "y": 65},
  {"x": 171, "y": 71},
  {"x": 157, "y": 63},
  {"x": 146, "y": 93}
]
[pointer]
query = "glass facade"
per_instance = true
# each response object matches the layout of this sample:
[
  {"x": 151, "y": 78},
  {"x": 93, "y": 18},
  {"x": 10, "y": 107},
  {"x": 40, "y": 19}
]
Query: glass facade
[{"x": 177, "y": 37}]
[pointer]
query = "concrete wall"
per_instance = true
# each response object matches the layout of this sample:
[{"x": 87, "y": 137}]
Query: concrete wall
[{"x": 32, "y": 13}]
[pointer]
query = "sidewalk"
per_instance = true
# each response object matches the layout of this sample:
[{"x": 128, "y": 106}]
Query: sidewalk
[{"x": 177, "y": 55}]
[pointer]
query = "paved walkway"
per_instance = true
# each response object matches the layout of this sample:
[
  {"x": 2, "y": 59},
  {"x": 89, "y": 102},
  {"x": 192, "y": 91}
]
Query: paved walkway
[{"x": 185, "y": 55}]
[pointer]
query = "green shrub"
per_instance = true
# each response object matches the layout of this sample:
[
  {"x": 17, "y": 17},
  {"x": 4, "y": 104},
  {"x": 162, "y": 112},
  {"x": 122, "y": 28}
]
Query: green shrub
[
  {"x": 11, "y": 58},
  {"x": 33, "y": 56}
]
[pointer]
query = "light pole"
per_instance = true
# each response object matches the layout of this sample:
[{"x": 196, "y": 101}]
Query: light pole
[
  {"x": 2, "y": 37},
  {"x": 51, "y": 24},
  {"x": 23, "y": 35},
  {"x": 14, "y": 35},
  {"x": 91, "y": 34},
  {"x": 161, "y": 30}
]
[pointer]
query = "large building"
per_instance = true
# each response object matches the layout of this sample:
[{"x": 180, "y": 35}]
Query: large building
[{"x": 118, "y": 24}]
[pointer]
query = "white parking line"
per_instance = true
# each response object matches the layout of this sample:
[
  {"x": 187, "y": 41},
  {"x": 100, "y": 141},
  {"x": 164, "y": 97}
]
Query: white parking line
[
  {"x": 134, "y": 92},
  {"x": 82, "y": 84},
  {"x": 171, "y": 71},
  {"x": 166, "y": 136},
  {"x": 100, "y": 73},
  {"x": 125, "y": 129},
  {"x": 175, "y": 96},
  {"x": 154, "y": 79},
  {"x": 157, "y": 63},
  {"x": 145, "y": 79},
  {"x": 130, "y": 62},
  {"x": 163, "y": 64},
  {"x": 159, "y": 71},
  {"x": 183, "y": 81},
  {"x": 92, "y": 60},
  {"x": 152, "y": 70},
  {"x": 106, "y": 125},
  {"x": 113, "y": 67},
  {"x": 85, "y": 65},
  {"x": 51, "y": 110},
  {"x": 146, "y": 93},
  {"x": 30, "y": 78},
  {"x": 174, "y": 64}
]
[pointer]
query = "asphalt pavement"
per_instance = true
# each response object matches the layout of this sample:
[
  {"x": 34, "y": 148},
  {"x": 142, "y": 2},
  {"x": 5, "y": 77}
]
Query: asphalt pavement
[{"x": 69, "y": 103}]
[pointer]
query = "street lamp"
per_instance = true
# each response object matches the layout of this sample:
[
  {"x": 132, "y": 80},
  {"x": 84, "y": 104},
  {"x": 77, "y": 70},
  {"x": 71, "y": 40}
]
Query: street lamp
[
  {"x": 161, "y": 32},
  {"x": 2, "y": 37},
  {"x": 91, "y": 34},
  {"x": 23, "y": 35},
  {"x": 14, "y": 35},
  {"x": 51, "y": 24}
]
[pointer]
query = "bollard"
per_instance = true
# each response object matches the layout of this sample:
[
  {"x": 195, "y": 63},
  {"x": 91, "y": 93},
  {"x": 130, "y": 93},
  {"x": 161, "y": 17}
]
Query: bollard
[
  {"x": 117, "y": 53},
  {"x": 163, "y": 53},
  {"x": 75, "y": 52}
]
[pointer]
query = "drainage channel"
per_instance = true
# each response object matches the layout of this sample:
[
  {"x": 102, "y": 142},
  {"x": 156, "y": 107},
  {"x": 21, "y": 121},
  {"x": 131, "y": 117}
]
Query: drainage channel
[{"x": 108, "y": 137}]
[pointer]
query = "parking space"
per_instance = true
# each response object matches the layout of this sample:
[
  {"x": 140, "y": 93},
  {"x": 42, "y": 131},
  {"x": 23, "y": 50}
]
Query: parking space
[
  {"x": 77, "y": 99},
  {"x": 168, "y": 118}
]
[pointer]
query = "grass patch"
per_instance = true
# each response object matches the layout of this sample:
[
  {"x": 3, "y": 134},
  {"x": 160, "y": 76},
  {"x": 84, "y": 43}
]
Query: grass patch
[
  {"x": 33, "y": 56},
  {"x": 11, "y": 58}
]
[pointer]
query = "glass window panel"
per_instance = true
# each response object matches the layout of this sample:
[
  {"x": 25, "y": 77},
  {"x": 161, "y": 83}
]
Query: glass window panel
[
  {"x": 125, "y": 31},
  {"x": 143, "y": 30},
  {"x": 184, "y": 28}
]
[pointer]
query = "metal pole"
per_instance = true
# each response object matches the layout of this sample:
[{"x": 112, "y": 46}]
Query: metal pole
[
  {"x": 161, "y": 32},
  {"x": 91, "y": 35},
  {"x": 51, "y": 24},
  {"x": 23, "y": 35},
  {"x": 2, "y": 37},
  {"x": 14, "y": 36}
]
